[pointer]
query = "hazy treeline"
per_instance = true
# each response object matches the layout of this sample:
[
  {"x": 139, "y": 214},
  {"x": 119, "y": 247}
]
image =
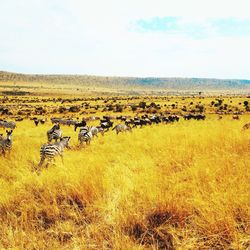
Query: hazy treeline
[{"x": 149, "y": 82}]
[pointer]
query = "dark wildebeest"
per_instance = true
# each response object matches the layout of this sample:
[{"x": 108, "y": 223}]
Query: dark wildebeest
[
  {"x": 80, "y": 124},
  {"x": 235, "y": 117}
]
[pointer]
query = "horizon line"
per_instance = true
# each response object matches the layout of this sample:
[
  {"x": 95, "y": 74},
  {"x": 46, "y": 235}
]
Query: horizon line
[{"x": 117, "y": 76}]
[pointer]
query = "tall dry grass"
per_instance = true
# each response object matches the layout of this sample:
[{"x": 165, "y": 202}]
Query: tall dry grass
[{"x": 183, "y": 186}]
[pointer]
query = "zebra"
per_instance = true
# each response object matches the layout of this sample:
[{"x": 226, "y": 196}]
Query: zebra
[
  {"x": 5, "y": 124},
  {"x": 50, "y": 151},
  {"x": 85, "y": 135},
  {"x": 100, "y": 130},
  {"x": 54, "y": 133},
  {"x": 122, "y": 128},
  {"x": 6, "y": 144},
  {"x": 96, "y": 130}
]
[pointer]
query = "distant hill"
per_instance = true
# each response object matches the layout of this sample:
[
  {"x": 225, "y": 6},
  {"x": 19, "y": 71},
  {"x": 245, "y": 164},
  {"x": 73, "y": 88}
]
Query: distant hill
[{"x": 191, "y": 84}]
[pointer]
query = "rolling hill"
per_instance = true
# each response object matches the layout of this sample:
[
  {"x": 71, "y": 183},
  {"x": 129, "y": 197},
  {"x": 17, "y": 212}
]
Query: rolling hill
[{"x": 125, "y": 84}]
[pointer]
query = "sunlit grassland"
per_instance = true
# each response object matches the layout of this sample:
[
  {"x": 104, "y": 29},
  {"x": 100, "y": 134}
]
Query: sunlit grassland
[{"x": 197, "y": 172}]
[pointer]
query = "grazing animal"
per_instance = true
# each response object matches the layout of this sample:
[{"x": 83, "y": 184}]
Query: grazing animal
[
  {"x": 55, "y": 120},
  {"x": 195, "y": 117},
  {"x": 80, "y": 124},
  {"x": 106, "y": 124},
  {"x": 94, "y": 131},
  {"x": 5, "y": 124},
  {"x": 236, "y": 117},
  {"x": 100, "y": 130},
  {"x": 36, "y": 121},
  {"x": 155, "y": 119},
  {"x": 246, "y": 126},
  {"x": 67, "y": 122},
  {"x": 42, "y": 121},
  {"x": 141, "y": 122},
  {"x": 122, "y": 128},
  {"x": 50, "y": 151},
  {"x": 54, "y": 133},
  {"x": 6, "y": 144},
  {"x": 18, "y": 119},
  {"x": 85, "y": 135}
]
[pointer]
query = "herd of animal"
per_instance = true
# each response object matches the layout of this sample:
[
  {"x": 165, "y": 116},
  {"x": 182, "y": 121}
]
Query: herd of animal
[{"x": 56, "y": 142}]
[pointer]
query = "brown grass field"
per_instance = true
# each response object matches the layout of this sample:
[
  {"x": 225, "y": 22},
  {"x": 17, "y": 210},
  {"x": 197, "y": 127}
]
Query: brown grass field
[{"x": 168, "y": 186}]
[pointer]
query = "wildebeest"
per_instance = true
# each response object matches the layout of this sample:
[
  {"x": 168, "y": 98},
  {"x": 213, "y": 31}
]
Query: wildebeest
[
  {"x": 106, "y": 124},
  {"x": 80, "y": 124},
  {"x": 141, "y": 122},
  {"x": 67, "y": 122},
  {"x": 155, "y": 119},
  {"x": 194, "y": 116},
  {"x": 170, "y": 118},
  {"x": 36, "y": 121},
  {"x": 55, "y": 120},
  {"x": 235, "y": 117}
]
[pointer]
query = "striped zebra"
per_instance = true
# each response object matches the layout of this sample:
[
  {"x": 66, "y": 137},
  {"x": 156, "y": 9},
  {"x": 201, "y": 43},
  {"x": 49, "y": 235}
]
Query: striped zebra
[
  {"x": 50, "y": 151},
  {"x": 6, "y": 144},
  {"x": 96, "y": 130},
  {"x": 85, "y": 135},
  {"x": 122, "y": 128},
  {"x": 54, "y": 133},
  {"x": 5, "y": 124}
]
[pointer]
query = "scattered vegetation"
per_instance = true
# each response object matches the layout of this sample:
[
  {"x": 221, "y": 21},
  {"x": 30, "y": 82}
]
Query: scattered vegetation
[{"x": 181, "y": 185}]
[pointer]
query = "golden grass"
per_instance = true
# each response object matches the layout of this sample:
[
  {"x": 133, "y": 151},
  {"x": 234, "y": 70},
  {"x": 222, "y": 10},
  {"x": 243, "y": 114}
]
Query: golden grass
[{"x": 185, "y": 184}]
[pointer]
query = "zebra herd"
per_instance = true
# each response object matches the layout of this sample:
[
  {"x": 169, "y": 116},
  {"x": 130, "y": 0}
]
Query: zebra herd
[
  {"x": 86, "y": 133},
  {"x": 50, "y": 150},
  {"x": 57, "y": 142}
]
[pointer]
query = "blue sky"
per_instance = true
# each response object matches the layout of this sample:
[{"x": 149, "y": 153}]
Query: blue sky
[
  {"x": 165, "y": 38},
  {"x": 219, "y": 27}
]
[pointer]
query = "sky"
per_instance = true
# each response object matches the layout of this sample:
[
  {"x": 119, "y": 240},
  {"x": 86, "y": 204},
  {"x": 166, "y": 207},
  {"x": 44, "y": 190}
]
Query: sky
[{"x": 140, "y": 38}]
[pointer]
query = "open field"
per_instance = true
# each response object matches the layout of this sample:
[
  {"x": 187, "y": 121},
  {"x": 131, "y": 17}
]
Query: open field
[{"x": 179, "y": 185}]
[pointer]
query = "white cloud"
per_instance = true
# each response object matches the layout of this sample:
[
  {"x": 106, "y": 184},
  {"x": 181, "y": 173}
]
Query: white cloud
[{"x": 95, "y": 37}]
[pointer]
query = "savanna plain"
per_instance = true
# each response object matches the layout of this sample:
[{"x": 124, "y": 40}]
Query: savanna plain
[{"x": 172, "y": 185}]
